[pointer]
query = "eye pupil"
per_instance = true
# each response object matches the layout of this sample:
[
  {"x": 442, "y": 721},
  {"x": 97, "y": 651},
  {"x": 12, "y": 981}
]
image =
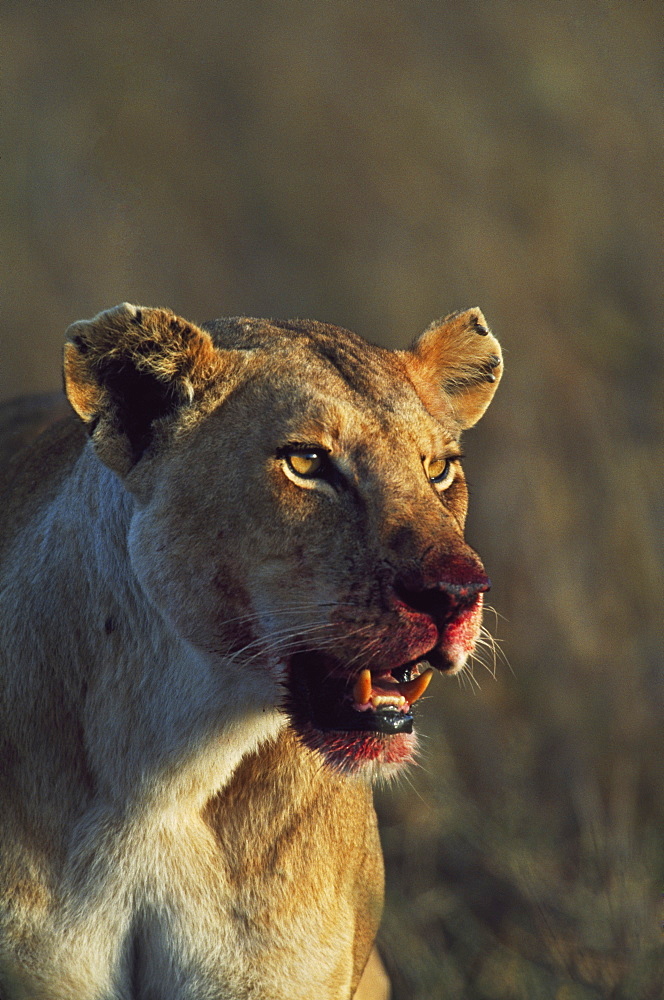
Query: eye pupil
[{"x": 305, "y": 463}]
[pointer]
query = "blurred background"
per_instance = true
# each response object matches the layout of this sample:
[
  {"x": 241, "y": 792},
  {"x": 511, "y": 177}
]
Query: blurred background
[{"x": 375, "y": 165}]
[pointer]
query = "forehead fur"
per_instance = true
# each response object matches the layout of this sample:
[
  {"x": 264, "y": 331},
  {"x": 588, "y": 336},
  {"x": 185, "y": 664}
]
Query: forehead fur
[{"x": 337, "y": 365}]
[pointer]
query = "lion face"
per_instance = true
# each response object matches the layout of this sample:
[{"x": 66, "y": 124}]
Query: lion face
[{"x": 300, "y": 506}]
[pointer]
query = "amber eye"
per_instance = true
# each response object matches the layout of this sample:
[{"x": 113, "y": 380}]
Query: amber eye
[
  {"x": 441, "y": 472},
  {"x": 305, "y": 463}
]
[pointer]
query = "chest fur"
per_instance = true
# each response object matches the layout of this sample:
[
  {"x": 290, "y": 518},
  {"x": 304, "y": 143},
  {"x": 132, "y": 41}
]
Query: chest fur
[{"x": 262, "y": 889}]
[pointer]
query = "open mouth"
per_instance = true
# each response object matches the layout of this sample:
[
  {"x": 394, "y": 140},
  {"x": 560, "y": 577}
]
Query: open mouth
[
  {"x": 359, "y": 718},
  {"x": 372, "y": 701}
]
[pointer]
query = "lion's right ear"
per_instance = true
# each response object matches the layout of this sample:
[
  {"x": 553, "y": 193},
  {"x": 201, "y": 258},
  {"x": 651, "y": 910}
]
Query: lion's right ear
[{"x": 128, "y": 367}]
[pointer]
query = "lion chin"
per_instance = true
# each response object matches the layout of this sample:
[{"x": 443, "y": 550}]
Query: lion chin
[{"x": 376, "y": 756}]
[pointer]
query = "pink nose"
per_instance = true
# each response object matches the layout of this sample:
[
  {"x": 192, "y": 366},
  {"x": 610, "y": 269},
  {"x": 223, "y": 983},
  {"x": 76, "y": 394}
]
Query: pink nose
[{"x": 444, "y": 600}]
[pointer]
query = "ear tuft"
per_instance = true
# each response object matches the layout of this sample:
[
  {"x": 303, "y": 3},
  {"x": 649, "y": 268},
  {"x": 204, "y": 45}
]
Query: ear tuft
[
  {"x": 455, "y": 366},
  {"x": 130, "y": 366}
]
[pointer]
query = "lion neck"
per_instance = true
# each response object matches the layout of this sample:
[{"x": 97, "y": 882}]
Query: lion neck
[{"x": 143, "y": 720}]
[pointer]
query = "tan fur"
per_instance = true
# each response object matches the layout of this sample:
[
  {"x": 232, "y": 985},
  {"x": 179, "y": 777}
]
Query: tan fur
[{"x": 164, "y": 834}]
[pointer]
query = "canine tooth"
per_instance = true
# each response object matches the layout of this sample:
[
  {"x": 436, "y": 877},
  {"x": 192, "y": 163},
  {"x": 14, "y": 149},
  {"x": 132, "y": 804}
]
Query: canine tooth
[
  {"x": 412, "y": 690},
  {"x": 362, "y": 688}
]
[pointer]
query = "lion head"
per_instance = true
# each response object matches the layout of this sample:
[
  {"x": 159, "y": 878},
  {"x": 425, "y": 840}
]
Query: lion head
[{"x": 299, "y": 504}]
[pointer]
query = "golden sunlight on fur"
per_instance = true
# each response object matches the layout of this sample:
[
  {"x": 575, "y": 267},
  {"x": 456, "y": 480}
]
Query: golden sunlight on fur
[{"x": 225, "y": 580}]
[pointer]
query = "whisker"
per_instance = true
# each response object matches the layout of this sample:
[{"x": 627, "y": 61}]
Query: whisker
[
  {"x": 281, "y": 637},
  {"x": 286, "y": 610},
  {"x": 475, "y": 685},
  {"x": 496, "y": 614},
  {"x": 487, "y": 640},
  {"x": 274, "y": 642}
]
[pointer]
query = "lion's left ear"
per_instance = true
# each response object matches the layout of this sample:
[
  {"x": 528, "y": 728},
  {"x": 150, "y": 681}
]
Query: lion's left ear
[
  {"x": 128, "y": 367},
  {"x": 456, "y": 366}
]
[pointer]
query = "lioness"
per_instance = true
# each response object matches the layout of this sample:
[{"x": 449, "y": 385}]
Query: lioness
[{"x": 224, "y": 584}]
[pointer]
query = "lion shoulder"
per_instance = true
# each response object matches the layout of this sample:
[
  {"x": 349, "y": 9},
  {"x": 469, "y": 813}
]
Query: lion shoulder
[{"x": 39, "y": 440}]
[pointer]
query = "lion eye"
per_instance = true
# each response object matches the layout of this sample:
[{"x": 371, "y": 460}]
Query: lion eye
[
  {"x": 305, "y": 463},
  {"x": 441, "y": 472}
]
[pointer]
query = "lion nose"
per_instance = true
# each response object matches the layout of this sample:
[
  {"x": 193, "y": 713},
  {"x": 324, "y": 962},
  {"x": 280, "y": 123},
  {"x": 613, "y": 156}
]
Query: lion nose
[
  {"x": 464, "y": 591},
  {"x": 443, "y": 596}
]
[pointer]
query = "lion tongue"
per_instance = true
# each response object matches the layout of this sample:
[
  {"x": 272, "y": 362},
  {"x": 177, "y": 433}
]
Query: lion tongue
[{"x": 398, "y": 694}]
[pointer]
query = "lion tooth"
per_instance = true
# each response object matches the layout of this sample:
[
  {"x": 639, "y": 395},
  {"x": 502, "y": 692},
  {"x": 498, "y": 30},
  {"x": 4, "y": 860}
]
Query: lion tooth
[
  {"x": 362, "y": 688},
  {"x": 412, "y": 690},
  {"x": 393, "y": 700}
]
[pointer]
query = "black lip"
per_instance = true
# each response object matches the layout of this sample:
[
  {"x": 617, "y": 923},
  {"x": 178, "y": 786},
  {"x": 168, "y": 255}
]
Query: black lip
[
  {"x": 318, "y": 698},
  {"x": 344, "y": 718},
  {"x": 385, "y": 720}
]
